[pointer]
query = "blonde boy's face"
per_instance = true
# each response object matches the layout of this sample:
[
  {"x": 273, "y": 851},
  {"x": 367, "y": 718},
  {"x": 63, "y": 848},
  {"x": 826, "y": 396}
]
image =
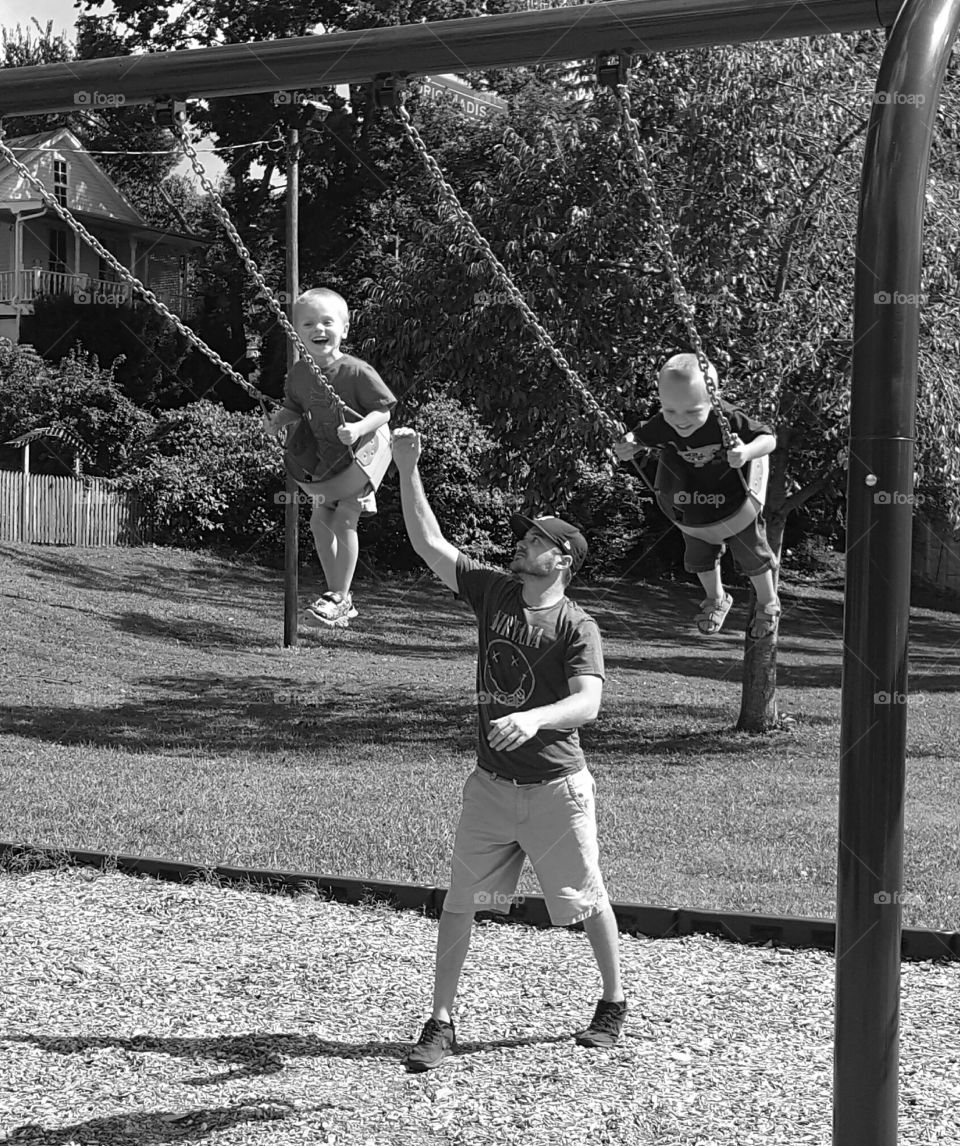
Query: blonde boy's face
[
  {"x": 685, "y": 404},
  {"x": 322, "y": 324}
]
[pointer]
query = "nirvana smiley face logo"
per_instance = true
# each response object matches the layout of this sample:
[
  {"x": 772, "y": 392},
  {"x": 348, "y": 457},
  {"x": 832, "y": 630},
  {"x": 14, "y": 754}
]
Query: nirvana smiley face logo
[{"x": 507, "y": 675}]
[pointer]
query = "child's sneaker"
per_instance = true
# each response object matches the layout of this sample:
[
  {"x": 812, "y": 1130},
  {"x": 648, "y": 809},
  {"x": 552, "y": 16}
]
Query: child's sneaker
[
  {"x": 605, "y": 1026},
  {"x": 333, "y": 609},
  {"x": 437, "y": 1041}
]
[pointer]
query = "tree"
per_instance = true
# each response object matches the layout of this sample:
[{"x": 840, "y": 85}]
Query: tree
[
  {"x": 757, "y": 151},
  {"x": 76, "y": 395}
]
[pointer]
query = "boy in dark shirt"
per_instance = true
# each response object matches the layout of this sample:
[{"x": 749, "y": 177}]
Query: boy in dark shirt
[{"x": 698, "y": 484}]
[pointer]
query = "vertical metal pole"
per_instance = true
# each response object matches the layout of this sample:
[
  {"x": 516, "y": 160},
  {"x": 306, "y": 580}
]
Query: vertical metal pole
[
  {"x": 291, "y": 515},
  {"x": 877, "y": 596}
]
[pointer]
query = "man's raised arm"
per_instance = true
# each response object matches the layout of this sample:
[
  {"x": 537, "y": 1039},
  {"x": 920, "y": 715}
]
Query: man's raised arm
[{"x": 422, "y": 526}]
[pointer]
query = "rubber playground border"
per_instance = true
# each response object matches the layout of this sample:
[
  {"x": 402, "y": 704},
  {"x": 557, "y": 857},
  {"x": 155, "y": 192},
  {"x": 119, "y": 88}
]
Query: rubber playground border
[{"x": 632, "y": 918}]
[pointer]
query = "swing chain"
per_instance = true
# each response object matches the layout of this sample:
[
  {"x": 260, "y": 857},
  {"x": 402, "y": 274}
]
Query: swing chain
[
  {"x": 126, "y": 275},
  {"x": 272, "y": 301},
  {"x": 682, "y": 300},
  {"x": 464, "y": 221}
]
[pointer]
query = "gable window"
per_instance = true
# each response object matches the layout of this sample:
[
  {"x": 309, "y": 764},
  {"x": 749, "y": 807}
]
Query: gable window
[{"x": 60, "y": 181}]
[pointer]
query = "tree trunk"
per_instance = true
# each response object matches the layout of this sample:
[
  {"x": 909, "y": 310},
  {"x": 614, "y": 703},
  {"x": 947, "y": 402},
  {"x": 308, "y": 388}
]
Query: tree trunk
[{"x": 758, "y": 698}]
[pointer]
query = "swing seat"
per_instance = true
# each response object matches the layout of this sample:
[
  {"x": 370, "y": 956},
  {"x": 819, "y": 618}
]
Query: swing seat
[
  {"x": 371, "y": 458},
  {"x": 756, "y": 476}
]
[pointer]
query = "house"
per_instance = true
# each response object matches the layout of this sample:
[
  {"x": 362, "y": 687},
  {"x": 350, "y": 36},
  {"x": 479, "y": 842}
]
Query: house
[{"x": 40, "y": 254}]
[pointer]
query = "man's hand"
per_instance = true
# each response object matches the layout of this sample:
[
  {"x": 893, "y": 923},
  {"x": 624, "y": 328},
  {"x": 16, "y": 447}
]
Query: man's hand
[
  {"x": 348, "y": 434},
  {"x": 737, "y": 455},
  {"x": 406, "y": 450},
  {"x": 509, "y": 732}
]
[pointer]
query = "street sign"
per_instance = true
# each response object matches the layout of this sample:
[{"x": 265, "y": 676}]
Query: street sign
[{"x": 477, "y": 105}]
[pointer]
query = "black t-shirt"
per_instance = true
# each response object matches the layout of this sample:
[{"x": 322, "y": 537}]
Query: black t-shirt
[
  {"x": 525, "y": 659},
  {"x": 695, "y": 483},
  {"x": 312, "y": 448}
]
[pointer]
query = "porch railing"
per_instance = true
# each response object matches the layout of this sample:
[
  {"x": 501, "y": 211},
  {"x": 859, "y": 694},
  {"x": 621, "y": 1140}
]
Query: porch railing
[{"x": 24, "y": 286}]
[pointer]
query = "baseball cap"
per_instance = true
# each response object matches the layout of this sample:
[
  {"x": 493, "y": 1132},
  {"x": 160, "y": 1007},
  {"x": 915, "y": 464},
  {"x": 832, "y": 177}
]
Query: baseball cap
[{"x": 565, "y": 536}]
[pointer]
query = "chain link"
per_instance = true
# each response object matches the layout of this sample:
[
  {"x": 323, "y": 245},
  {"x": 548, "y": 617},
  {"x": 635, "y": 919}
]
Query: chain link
[
  {"x": 665, "y": 244},
  {"x": 126, "y": 275},
  {"x": 462, "y": 217},
  {"x": 254, "y": 271}
]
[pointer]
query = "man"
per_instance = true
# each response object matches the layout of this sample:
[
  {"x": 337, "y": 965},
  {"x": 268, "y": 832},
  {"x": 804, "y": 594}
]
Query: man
[{"x": 539, "y": 677}]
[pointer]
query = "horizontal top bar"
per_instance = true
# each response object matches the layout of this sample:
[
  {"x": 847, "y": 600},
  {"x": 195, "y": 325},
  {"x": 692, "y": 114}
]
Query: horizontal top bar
[{"x": 507, "y": 40}]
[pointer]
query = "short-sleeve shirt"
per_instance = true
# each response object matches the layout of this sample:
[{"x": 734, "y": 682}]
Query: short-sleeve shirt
[
  {"x": 312, "y": 446},
  {"x": 525, "y": 660},
  {"x": 695, "y": 483}
]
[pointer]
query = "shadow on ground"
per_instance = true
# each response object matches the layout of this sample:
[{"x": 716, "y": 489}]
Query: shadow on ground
[
  {"x": 255, "y": 1054},
  {"x": 259, "y": 713}
]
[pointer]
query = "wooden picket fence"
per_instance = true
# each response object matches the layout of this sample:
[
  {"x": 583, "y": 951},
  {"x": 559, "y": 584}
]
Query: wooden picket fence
[{"x": 53, "y": 510}]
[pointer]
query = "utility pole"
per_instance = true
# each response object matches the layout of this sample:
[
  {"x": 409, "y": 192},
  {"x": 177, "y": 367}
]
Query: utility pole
[{"x": 291, "y": 515}]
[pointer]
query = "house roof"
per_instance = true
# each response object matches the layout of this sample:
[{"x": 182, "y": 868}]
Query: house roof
[{"x": 90, "y": 189}]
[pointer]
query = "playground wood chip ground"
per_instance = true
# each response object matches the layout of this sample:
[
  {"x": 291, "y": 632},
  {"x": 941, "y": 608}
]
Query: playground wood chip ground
[{"x": 137, "y": 1011}]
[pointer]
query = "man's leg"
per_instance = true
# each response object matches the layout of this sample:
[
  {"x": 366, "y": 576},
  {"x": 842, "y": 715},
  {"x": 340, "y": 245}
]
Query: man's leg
[
  {"x": 453, "y": 942},
  {"x": 438, "y": 1038},
  {"x": 601, "y": 930},
  {"x": 561, "y": 841}
]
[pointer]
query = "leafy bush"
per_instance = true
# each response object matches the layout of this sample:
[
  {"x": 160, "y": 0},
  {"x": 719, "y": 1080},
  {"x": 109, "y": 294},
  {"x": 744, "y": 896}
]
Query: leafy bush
[
  {"x": 213, "y": 478},
  {"x": 471, "y": 511},
  {"x": 145, "y": 349},
  {"x": 76, "y": 395},
  {"x": 626, "y": 532}
]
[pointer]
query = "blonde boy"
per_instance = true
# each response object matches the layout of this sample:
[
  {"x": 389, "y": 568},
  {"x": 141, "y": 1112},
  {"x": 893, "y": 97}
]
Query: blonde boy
[
  {"x": 698, "y": 484},
  {"x": 317, "y": 447}
]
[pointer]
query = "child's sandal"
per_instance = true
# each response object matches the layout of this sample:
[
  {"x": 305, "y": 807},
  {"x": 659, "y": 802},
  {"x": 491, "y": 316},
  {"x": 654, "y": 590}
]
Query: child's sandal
[
  {"x": 765, "y": 620},
  {"x": 713, "y": 612}
]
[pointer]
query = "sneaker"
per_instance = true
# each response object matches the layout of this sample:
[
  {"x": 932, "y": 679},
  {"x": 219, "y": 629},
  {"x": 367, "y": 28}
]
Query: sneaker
[
  {"x": 436, "y": 1042},
  {"x": 333, "y": 609},
  {"x": 605, "y": 1026}
]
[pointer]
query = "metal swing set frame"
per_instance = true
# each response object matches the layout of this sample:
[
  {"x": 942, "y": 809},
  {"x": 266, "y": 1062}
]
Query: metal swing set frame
[{"x": 884, "y": 384}]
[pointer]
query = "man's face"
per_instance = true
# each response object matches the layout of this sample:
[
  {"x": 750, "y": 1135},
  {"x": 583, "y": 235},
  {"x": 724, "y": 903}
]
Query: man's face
[{"x": 536, "y": 555}]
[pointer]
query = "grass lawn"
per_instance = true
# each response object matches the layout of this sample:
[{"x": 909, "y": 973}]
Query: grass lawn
[{"x": 148, "y": 707}]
